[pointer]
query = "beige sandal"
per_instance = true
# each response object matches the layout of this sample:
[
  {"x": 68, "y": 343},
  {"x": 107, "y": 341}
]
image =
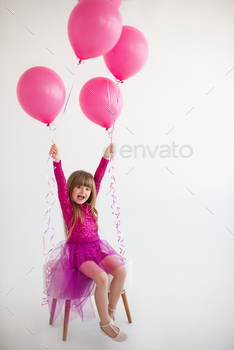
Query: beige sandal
[{"x": 121, "y": 336}]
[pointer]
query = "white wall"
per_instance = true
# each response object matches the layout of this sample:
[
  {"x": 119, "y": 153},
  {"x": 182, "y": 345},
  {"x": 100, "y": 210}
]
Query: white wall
[{"x": 177, "y": 213}]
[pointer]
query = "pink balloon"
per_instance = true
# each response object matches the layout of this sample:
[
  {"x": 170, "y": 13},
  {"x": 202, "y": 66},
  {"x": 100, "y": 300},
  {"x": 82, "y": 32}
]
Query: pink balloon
[
  {"x": 41, "y": 93},
  {"x": 116, "y": 2},
  {"x": 129, "y": 55},
  {"x": 94, "y": 101},
  {"x": 94, "y": 27}
]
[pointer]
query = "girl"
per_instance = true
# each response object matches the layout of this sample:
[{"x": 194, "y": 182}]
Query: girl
[{"x": 82, "y": 262}]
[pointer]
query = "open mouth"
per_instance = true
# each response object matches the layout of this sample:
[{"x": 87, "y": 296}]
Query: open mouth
[{"x": 80, "y": 197}]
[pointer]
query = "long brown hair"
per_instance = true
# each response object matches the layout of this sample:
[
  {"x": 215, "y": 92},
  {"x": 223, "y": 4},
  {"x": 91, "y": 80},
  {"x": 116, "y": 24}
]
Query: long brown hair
[{"x": 81, "y": 178}]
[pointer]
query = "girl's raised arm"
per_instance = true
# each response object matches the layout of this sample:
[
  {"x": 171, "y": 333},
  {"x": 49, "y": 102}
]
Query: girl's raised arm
[
  {"x": 63, "y": 195},
  {"x": 102, "y": 166}
]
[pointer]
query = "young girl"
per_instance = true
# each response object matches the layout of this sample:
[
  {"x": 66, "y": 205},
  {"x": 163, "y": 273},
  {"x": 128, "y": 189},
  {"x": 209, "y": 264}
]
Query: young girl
[{"x": 81, "y": 263}]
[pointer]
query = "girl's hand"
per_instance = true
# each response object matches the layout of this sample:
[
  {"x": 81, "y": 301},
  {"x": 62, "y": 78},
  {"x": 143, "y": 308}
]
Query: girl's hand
[
  {"x": 54, "y": 152},
  {"x": 109, "y": 151}
]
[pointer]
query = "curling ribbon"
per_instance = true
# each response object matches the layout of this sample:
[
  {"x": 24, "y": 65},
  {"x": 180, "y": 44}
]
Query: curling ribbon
[
  {"x": 48, "y": 218},
  {"x": 52, "y": 128},
  {"x": 115, "y": 209}
]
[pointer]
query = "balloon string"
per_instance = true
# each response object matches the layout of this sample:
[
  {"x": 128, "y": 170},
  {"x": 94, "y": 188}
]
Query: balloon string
[
  {"x": 115, "y": 209},
  {"x": 48, "y": 219},
  {"x": 65, "y": 107},
  {"x": 52, "y": 127}
]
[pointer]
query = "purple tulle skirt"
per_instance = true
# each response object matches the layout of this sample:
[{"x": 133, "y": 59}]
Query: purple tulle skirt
[{"x": 67, "y": 284}]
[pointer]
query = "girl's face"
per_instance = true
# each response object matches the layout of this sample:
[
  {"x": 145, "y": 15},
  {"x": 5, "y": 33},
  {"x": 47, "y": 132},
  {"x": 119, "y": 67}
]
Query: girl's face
[{"x": 80, "y": 194}]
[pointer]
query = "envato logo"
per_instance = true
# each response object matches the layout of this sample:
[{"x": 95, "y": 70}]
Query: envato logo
[{"x": 163, "y": 151}]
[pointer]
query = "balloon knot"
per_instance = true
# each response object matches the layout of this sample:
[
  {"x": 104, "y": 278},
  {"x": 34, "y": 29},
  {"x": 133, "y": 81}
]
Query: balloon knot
[
  {"x": 48, "y": 124},
  {"x": 107, "y": 129}
]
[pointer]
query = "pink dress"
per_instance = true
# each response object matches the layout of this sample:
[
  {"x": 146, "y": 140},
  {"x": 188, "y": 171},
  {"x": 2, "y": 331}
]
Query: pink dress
[{"x": 64, "y": 279}]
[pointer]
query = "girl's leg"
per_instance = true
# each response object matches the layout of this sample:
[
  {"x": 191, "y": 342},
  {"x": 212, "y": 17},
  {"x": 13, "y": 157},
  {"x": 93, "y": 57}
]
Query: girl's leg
[
  {"x": 93, "y": 271},
  {"x": 118, "y": 271}
]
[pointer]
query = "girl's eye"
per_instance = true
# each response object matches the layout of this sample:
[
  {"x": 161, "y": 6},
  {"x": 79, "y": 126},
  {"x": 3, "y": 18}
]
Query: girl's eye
[{"x": 86, "y": 188}]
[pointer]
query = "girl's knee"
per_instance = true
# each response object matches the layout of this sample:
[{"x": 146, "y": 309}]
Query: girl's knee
[
  {"x": 101, "y": 279},
  {"x": 123, "y": 271},
  {"x": 120, "y": 272}
]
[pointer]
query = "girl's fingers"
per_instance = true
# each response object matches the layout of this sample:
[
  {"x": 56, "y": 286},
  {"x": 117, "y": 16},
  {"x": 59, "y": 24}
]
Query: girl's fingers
[{"x": 53, "y": 151}]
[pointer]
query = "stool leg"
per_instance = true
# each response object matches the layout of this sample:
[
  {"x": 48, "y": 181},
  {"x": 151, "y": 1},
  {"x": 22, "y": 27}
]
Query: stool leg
[
  {"x": 125, "y": 301},
  {"x": 66, "y": 318},
  {"x": 54, "y": 302}
]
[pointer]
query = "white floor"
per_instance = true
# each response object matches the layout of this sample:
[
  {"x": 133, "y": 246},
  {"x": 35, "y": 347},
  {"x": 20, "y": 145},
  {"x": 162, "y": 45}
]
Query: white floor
[{"x": 178, "y": 313}]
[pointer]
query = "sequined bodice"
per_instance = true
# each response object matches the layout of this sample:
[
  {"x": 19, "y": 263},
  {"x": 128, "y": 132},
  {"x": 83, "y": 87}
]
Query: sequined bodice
[{"x": 87, "y": 230}]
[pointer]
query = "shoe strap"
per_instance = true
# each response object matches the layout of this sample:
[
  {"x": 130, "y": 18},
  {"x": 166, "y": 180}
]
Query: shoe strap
[
  {"x": 114, "y": 310},
  {"x": 111, "y": 326}
]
